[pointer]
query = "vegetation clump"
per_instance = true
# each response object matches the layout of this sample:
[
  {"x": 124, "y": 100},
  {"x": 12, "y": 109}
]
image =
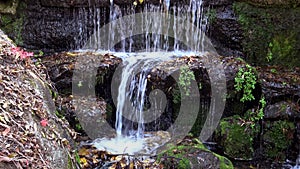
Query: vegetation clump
[
  {"x": 277, "y": 138},
  {"x": 184, "y": 156},
  {"x": 237, "y": 137},
  {"x": 273, "y": 39},
  {"x": 245, "y": 81}
]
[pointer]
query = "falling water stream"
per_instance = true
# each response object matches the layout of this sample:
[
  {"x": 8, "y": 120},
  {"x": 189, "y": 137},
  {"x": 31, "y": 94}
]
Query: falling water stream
[{"x": 156, "y": 48}]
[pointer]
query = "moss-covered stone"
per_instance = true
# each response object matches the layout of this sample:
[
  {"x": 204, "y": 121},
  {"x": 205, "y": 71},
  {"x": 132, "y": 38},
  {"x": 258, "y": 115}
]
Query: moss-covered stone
[
  {"x": 277, "y": 138},
  {"x": 9, "y": 6},
  {"x": 236, "y": 137},
  {"x": 192, "y": 155},
  {"x": 271, "y": 35},
  {"x": 12, "y": 25}
]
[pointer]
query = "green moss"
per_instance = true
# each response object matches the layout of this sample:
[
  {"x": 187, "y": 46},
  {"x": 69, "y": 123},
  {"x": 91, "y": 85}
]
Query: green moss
[
  {"x": 183, "y": 158},
  {"x": 177, "y": 152},
  {"x": 282, "y": 48},
  {"x": 269, "y": 33},
  {"x": 277, "y": 139},
  {"x": 237, "y": 137}
]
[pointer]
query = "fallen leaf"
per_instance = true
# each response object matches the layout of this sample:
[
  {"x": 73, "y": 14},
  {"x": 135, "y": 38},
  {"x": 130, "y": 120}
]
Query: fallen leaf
[
  {"x": 6, "y": 131},
  {"x": 83, "y": 152},
  {"x": 44, "y": 122}
]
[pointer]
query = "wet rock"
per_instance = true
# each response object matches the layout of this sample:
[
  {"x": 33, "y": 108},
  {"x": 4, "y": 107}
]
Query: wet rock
[
  {"x": 61, "y": 66},
  {"x": 282, "y": 110},
  {"x": 74, "y": 3},
  {"x": 100, "y": 3},
  {"x": 279, "y": 83},
  {"x": 192, "y": 154},
  {"x": 225, "y": 31}
]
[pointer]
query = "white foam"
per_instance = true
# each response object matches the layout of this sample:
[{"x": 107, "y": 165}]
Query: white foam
[{"x": 120, "y": 145}]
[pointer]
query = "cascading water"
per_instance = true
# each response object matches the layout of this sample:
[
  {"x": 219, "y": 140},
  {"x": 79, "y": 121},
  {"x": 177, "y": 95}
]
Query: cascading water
[
  {"x": 133, "y": 84},
  {"x": 158, "y": 39}
]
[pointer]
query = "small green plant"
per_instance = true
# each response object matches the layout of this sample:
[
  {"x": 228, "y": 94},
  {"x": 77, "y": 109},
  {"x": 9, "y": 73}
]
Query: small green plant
[
  {"x": 40, "y": 54},
  {"x": 78, "y": 127},
  {"x": 270, "y": 53},
  {"x": 263, "y": 103},
  {"x": 273, "y": 70},
  {"x": 58, "y": 114},
  {"x": 185, "y": 79},
  {"x": 77, "y": 158},
  {"x": 252, "y": 117},
  {"x": 284, "y": 83},
  {"x": 245, "y": 81}
]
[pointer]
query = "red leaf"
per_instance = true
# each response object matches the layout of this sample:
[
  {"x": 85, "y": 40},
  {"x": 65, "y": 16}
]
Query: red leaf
[
  {"x": 44, "y": 122},
  {"x": 6, "y": 131}
]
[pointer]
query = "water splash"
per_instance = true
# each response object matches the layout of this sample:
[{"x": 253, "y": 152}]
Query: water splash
[{"x": 297, "y": 166}]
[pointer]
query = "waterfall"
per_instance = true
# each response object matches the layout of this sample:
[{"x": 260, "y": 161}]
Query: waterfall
[
  {"x": 140, "y": 54},
  {"x": 158, "y": 39},
  {"x": 131, "y": 99},
  {"x": 132, "y": 93}
]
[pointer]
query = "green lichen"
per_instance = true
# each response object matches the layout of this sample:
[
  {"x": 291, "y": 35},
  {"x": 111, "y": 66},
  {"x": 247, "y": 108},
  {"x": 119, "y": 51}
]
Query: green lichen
[
  {"x": 277, "y": 139},
  {"x": 270, "y": 34}
]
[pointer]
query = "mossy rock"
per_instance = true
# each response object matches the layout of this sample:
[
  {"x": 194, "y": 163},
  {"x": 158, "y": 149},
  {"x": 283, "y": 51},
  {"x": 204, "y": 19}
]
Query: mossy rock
[
  {"x": 192, "y": 154},
  {"x": 277, "y": 138},
  {"x": 271, "y": 35},
  {"x": 9, "y": 6},
  {"x": 236, "y": 137},
  {"x": 268, "y": 3},
  {"x": 12, "y": 24}
]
